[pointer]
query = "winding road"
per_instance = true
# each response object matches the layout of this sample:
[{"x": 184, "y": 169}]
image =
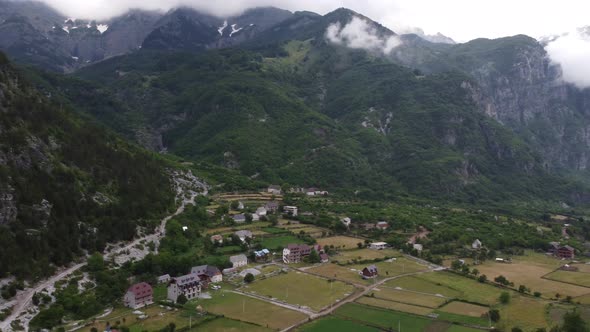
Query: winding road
[{"x": 23, "y": 300}]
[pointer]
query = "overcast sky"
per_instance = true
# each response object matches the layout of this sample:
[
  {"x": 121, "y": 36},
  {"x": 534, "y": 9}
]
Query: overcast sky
[{"x": 460, "y": 19}]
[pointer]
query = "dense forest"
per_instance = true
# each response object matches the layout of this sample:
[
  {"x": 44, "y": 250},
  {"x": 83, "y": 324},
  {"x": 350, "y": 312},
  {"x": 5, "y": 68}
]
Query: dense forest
[{"x": 69, "y": 186}]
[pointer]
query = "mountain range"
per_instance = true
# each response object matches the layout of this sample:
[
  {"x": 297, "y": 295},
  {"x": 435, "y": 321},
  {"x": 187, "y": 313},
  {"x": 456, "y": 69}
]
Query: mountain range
[{"x": 295, "y": 98}]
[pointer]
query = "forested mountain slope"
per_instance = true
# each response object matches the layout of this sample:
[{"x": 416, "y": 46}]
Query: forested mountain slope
[{"x": 67, "y": 186}]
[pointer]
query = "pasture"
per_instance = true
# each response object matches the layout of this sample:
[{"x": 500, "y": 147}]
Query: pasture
[
  {"x": 469, "y": 290},
  {"x": 333, "y": 324},
  {"x": 276, "y": 242},
  {"x": 340, "y": 242},
  {"x": 301, "y": 289},
  {"x": 348, "y": 256},
  {"x": 340, "y": 273},
  {"x": 251, "y": 310},
  {"x": 577, "y": 278},
  {"x": 157, "y": 319},
  {"x": 383, "y": 318},
  {"x": 424, "y": 300},
  {"x": 416, "y": 284},
  {"x": 400, "y": 266},
  {"x": 231, "y": 229},
  {"x": 467, "y": 309},
  {"x": 230, "y": 325},
  {"x": 397, "y": 306},
  {"x": 529, "y": 270},
  {"x": 524, "y": 312}
]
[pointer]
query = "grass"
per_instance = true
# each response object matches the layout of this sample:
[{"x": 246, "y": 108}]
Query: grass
[
  {"x": 462, "y": 319},
  {"x": 389, "y": 269},
  {"x": 524, "y": 312},
  {"x": 230, "y": 325},
  {"x": 301, "y": 289},
  {"x": 157, "y": 319},
  {"x": 391, "y": 305},
  {"x": 274, "y": 230},
  {"x": 160, "y": 292},
  {"x": 423, "y": 300},
  {"x": 339, "y": 272},
  {"x": 383, "y": 318},
  {"x": 420, "y": 285},
  {"x": 228, "y": 249},
  {"x": 276, "y": 242},
  {"x": 584, "y": 299},
  {"x": 470, "y": 290},
  {"x": 578, "y": 278},
  {"x": 459, "y": 328},
  {"x": 347, "y": 256},
  {"x": 342, "y": 242},
  {"x": 251, "y": 310},
  {"x": 467, "y": 309},
  {"x": 351, "y": 273},
  {"x": 231, "y": 229},
  {"x": 528, "y": 270},
  {"x": 333, "y": 324}
]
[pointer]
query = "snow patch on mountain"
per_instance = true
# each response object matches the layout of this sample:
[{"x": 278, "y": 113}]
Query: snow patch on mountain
[
  {"x": 234, "y": 30},
  {"x": 221, "y": 28}
]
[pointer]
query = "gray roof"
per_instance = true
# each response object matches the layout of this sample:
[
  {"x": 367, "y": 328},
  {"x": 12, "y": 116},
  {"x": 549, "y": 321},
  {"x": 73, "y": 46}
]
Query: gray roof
[
  {"x": 243, "y": 233},
  {"x": 187, "y": 279},
  {"x": 238, "y": 258},
  {"x": 208, "y": 270},
  {"x": 164, "y": 277}
]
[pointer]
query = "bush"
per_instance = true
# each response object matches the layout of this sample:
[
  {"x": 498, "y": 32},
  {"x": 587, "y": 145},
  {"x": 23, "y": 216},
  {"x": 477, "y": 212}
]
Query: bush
[
  {"x": 249, "y": 278},
  {"x": 181, "y": 299},
  {"x": 494, "y": 315},
  {"x": 505, "y": 298}
]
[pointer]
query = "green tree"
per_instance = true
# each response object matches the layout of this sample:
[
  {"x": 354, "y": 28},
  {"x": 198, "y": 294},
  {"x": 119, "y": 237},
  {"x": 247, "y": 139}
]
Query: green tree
[
  {"x": 95, "y": 262},
  {"x": 181, "y": 299},
  {"x": 494, "y": 315},
  {"x": 314, "y": 257},
  {"x": 249, "y": 278},
  {"x": 482, "y": 278},
  {"x": 505, "y": 298},
  {"x": 456, "y": 265},
  {"x": 573, "y": 322}
]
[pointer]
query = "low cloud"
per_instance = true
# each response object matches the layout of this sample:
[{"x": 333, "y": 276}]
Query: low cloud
[
  {"x": 572, "y": 51},
  {"x": 358, "y": 33}
]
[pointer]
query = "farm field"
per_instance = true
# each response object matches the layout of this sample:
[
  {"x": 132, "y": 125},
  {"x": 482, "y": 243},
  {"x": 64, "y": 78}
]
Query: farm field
[
  {"x": 583, "y": 268},
  {"x": 524, "y": 312},
  {"x": 276, "y": 242},
  {"x": 429, "y": 301},
  {"x": 416, "y": 284},
  {"x": 301, "y": 289},
  {"x": 469, "y": 290},
  {"x": 333, "y": 324},
  {"x": 467, "y": 309},
  {"x": 401, "y": 265},
  {"x": 385, "y": 304},
  {"x": 339, "y": 272},
  {"x": 342, "y": 242},
  {"x": 157, "y": 318},
  {"x": 578, "y": 278},
  {"x": 228, "y": 229},
  {"x": 230, "y": 325},
  {"x": 383, "y": 318},
  {"x": 251, "y": 310},
  {"x": 459, "y": 328},
  {"x": 346, "y": 256},
  {"x": 584, "y": 299},
  {"x": 528, "y": 270}
]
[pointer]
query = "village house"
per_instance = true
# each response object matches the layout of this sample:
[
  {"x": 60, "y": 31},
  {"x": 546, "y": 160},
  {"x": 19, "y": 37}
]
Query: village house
[
  {"x": 382, "y": 225},
  {"x": 261, "y": 211},
  {"x": 418, "y": 247},
  {"x": 368, "y": 226},
  {"x": 240, "y": 205},
  {"x": 274, "y": 189},
  {"x": 238, "y": 260},
  {"x": 271, "y": 206},
  {"x": 566, "y": 252},
  {"x": 217, "y": 238},
  {"x": 476, "y": 244},
  {"x": 290, "y": 210},
  {"x": 294, "y": 253},
  {"x": 262, "y": 255},
  {"x": 188, "y": 285},
  {"x": 139, "y": 295},
  {"x": 324, "y": 258},
  {"x": 255, "y": 217},
  {"x": 560, "y": 251},
  {"x": 208, "y": 273},
  {"x": 164, "y": 279},
  {"x": 239, "y": 218},
  {"x": 243, "y": 235},
  {"x": 369, "y": 272},
  {"x": 311, "y": 191},
  {"x": 378, "y": 245}
]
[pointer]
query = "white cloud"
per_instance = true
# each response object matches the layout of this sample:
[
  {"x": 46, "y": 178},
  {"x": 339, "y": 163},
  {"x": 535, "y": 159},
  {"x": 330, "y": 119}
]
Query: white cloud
[
  {"x": 461, "y": 20},
  {"x": 572, "y": 52},
  {"x": 358, "y": 33}
]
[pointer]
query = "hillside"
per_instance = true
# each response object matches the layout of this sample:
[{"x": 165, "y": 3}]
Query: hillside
[
  {"x": 318, "y": 115},
  {"x": 68, "y": 186}
]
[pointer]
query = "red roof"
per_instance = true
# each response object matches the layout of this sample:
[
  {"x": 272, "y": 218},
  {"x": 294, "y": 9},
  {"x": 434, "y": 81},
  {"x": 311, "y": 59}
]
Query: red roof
[{"x": 141, "y": 289}]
